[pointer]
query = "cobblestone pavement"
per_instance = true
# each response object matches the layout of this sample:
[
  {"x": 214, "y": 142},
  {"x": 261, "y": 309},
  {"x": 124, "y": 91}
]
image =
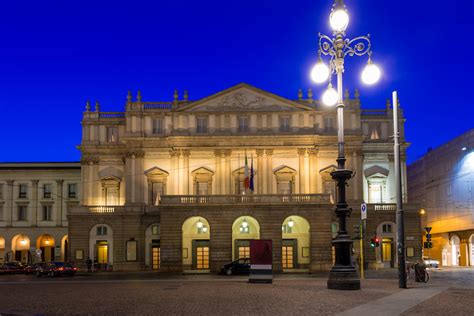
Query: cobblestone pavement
[
  {"x": 183, "y": 297},
  {"x": 150, "y": 293}
]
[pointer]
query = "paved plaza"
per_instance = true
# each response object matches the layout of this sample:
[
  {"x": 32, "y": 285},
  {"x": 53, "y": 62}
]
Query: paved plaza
[{"x": 449, "y": 292}]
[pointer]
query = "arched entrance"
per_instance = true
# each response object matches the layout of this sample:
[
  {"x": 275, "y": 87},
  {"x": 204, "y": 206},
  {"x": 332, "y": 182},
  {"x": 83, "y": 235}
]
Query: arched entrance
[
  {"x": 46, "y": 244},
  {"x": 152, "y": 247},
  {"x": 295, "y": 251},
  {"x": 65, "y": 248},
  {"x": 471, "y": 250},
  {"x": 196, "y": 251},
  {"x": 101, "y": 246},
  {"x": 2, "y": 250},
  {"x": 21, "y": 248},
  {"x": 386, "y": 253},
  {"x": 455, "y": 250},
  {"x": 244, "y": 229}
]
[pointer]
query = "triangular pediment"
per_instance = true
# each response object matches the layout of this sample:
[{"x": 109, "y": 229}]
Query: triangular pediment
[{"x": 244, "y": 98}]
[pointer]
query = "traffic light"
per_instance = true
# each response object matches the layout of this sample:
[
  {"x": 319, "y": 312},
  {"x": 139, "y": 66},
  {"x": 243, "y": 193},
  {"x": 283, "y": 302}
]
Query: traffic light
[
  {"x": 374, "y": 242},
  {"x": 428, "y": 243}
]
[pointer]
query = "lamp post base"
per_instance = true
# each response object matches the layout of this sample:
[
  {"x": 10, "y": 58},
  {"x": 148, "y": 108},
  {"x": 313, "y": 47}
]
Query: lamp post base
[{"x": 343, "y": 278}]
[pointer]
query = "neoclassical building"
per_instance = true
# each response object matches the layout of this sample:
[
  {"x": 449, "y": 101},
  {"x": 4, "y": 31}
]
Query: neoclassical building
[
  {"x": 442, "y": 182},
  {"x": 34, "y": 199},
  {"x": 163, "y": 183}
]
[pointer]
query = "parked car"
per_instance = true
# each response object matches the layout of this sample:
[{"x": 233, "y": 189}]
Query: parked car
[
  {"x": 241, "y": 266},
  {"x": 31, "y": 268},
  {"x": 430, "y": 262},
  {"x": 56, "y": 269},
  {"x": 13, "y": 267}
]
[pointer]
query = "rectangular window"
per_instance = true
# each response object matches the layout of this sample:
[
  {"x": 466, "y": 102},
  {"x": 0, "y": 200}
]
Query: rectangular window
[
  {"x": 158, "y": 126},
  {"x": 72, "y": 190},
  {"x": 23, "y": 191},
  {"x": 47, "y": 191},
  {"x": 155, "y": 230},
  {"x": 285, "y": 123},
  {"x": 284, "y": 187},
  {"x": 132, "y": 250},
  {"x": 101, "y": 231},
  {"x": 201, "y": 125},
  {"x": 47, "y": 212},
  {"x": 202, "y": 188},
  {"x": 243, "y": 124},
  {"x": 22, "y": 212},
  {"x": 328, "y": 124},
  {"x": 112, "y": 134},
  {"x": 157, "y": 190}
]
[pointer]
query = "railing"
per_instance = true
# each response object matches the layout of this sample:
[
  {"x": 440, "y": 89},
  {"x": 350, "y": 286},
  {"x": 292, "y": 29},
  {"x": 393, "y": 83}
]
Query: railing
[
  {"x": 244, "y": 199},
  {"x": 150, "y": 106},
  {"x": 111, "y": 115},
  {"x": 101, "y": 209},
  {"x": 373, "y": 112},
  {"x": 384, "y": 207}
]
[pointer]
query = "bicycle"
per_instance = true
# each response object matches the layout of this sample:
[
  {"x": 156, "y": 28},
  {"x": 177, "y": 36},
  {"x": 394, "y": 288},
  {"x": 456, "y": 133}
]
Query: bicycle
[{"x": 417, "y": 272}]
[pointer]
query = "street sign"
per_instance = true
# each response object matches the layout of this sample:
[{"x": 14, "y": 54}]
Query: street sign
[
  {"x": 363, "y": 211},
  {"x": 428, "y": 236},
  {"x": 428, "y": 229}
]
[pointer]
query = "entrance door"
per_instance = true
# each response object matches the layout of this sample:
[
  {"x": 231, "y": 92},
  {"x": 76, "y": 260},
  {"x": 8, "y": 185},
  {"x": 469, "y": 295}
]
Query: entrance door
[
  {"x": 289, "y": 254},
  {"x": 102, "y": 255},
  {"x": 242, "y": 249},
  {"x": 387, "y": 253},
  {"x": 47, "y": 254},
  {"x": 155, "y": 257},
  {"x": 201, "y": 254}
]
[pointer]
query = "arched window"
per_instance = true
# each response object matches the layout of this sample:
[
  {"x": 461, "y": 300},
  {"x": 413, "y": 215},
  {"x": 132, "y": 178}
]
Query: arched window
[
  {"x": 387, "y": 228},
  {"x": 101, "y": 231}
]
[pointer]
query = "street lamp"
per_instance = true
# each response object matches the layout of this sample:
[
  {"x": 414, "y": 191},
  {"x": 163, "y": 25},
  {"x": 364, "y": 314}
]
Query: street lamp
[{"x": 343, "y": 275}]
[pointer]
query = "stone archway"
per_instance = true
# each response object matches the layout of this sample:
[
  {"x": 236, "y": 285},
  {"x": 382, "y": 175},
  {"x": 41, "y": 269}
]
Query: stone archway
[
  {"x": 386, "y": 252},
  {"x": 2, "y": 250},
  {"x": 471, "y": 250},
  {"x": 455, "y": 252},
  {"x": 244, "y": 229},
  {"x": 46, "y": 244},
  {"x": 196, "y": 234},
  {"x": 295, "y": 243},
  {"x": 21, "y": 248},
  {"x": 101, "y": 246}
]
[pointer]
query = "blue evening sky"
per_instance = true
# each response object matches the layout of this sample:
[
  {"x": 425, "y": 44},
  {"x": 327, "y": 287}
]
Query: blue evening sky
[{"x": 54, "y": 55}]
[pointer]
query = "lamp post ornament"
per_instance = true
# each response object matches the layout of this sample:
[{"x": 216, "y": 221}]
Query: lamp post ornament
[{"x": 343, "y": 275}]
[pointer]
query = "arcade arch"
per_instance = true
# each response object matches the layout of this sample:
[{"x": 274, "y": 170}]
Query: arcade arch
[{"x": 196, "y": 233}]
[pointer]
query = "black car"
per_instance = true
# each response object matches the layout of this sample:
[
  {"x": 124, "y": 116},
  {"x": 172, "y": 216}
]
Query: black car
[
  {"x": 31, "y": 268},
  {"x": 12, "y": 268},
  {"x": 241, "y": 266},
  {"x": 56, "y": 269}
]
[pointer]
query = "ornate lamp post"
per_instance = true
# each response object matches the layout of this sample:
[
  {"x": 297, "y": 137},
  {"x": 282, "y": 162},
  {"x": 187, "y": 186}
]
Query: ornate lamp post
[{"x": 343, "y": 275}]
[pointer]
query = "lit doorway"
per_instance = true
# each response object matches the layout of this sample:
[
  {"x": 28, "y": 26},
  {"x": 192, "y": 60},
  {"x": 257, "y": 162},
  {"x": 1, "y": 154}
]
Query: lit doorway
[
  {"x": 455, "y": 250},
  {"x": 295, "y": 252},
  {"x": 387, "y": 252},
  {"x": 46, "y": 244},
  {"x": 196, "y": 250},
  {"x": 155, "y": 257},
  {"x": 244, "y": 229}
]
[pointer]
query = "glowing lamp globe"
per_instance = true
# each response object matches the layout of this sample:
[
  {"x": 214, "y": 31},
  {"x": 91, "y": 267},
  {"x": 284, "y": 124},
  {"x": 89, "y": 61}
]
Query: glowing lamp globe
[
  {"x": 371, "y": 74},
  {"x": 339, "y": 19},
  {"x": 199, "y": 224},
  {"x": 330, "y": 96},
  {"x": 244, "y": 224},
  {"x": 320, "y": 72},
  {"x": 291, "y": 223}
]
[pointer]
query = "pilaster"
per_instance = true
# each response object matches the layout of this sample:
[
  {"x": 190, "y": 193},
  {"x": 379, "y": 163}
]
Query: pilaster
[
  {"x": 260, "y": 171},
  {"x": 33, "y": 218},
  {"x": 269, "y": 153},
  {"x": 301, "y": 170},
  {"x": 59, "y": 200}
]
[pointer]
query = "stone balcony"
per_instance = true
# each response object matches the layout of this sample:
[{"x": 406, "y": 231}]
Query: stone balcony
[{"x": 202, "y": 200}]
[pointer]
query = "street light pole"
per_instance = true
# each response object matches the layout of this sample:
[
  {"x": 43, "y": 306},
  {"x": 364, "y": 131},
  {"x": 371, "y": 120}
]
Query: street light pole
[{"x": 343, "y": 275}]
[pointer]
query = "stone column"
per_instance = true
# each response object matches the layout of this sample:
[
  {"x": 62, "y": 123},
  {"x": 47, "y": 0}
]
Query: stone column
[
  {"x": 59, "y": 208},
  {"x": 139, "y": 177},
  {"x": 228, "y": 171},
  {"x": 260, "y": 171},
  {"x": 174, "y": 170},
  {"x": 95, "y": 182},
  {"x": 128, "y": 179},
  {"x": 218, "y": 183},
  {"x": 269, "y": 153},
  {"x": 34, "y": 199},
  {"x": 9, "y": 204},
  {"x": 223, "y": 174},
  {"x": 186, "y": 171},
  {"x": 301, "y": 170},
  {"x": 312, "y": 171},
  {"x": 181, "y": 172}
]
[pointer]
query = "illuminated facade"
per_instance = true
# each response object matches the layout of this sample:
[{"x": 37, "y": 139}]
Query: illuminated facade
[
  {"x": 163, "y": 182},
  {"x": 442, "y": 182},
  {"x": 34, "y": 198}
]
